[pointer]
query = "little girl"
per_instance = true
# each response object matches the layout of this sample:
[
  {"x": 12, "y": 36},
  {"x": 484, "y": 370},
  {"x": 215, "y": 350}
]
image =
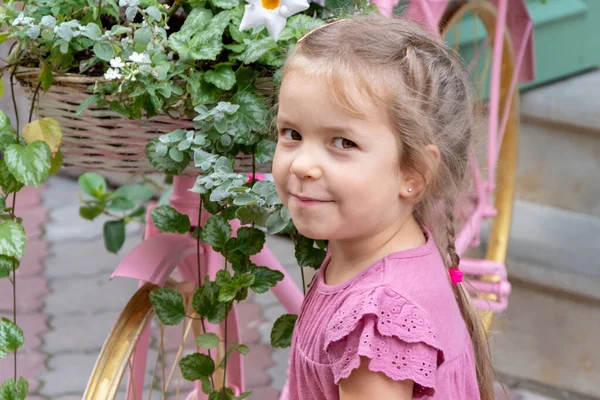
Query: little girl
[{"x": 375, "y": 122}]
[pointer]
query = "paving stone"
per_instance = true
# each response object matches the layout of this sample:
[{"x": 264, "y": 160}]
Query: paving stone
[
  {"x": 255, "y": 364},
  {"x": 67, "y": 374},
  {"x": 264, "y": 393},
  {"x": 66, "y": 224},
  {"x": 29, "y": 294},
  {"x": 29, "y": 366},
  {"x": 271, "y": 313},
  {"x": 72, "y": 258},
  {"x": 265, "y": 299},
  {"x": 60, "y": 191},
  {"x": 85, "y": 296},
  {"x": 69, "y": 334},
  {"x": 36, "y": 251},
  {"x": 278, "y": 372},
  {"x": 32, "y": 221},
  {"x": 249, "y": 315}
]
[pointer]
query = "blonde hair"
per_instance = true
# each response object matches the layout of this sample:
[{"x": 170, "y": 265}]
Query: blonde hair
[{"x": 427, "y": 94}]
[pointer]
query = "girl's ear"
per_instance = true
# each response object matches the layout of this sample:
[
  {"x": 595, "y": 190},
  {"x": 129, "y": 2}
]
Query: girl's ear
[{"x": 414, "y": 184}]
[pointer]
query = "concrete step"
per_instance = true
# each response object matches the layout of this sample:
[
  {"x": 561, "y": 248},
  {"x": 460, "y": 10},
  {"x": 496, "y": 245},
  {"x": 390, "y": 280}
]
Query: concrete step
[
  {"x": 559, "y": 147},
  {"x": 548, "y": 336}
]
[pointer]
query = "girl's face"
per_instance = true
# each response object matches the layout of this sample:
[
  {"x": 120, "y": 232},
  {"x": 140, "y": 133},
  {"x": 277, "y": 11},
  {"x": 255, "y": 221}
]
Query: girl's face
[{"x": 338, "y": 174}]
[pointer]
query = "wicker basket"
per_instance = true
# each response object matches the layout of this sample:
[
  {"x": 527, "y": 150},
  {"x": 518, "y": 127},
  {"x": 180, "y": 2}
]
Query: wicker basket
[{"x": 99, "y": 139}]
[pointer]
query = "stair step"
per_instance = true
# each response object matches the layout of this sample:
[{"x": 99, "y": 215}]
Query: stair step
[{"x": 554, "y": 248}]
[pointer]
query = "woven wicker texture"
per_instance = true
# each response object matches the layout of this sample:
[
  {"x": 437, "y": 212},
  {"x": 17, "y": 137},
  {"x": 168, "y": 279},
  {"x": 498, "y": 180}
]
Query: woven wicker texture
[{"x": 99, "y": 139}]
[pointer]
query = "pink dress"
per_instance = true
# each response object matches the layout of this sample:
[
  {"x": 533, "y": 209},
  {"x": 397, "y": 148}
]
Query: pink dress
[{"x": 401, "y": 314}]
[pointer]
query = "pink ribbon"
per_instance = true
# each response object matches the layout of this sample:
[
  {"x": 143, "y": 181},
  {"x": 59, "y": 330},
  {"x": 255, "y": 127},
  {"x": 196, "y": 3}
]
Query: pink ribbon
[{"x": 456, "y": 275}]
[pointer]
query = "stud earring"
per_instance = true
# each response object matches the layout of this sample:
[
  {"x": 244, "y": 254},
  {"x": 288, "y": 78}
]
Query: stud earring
[{"x": 409, "y": 190}]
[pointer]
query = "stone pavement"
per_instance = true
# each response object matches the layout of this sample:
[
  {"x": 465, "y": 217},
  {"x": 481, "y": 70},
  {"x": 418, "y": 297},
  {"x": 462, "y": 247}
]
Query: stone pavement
[{"x": 67, "y": 305}]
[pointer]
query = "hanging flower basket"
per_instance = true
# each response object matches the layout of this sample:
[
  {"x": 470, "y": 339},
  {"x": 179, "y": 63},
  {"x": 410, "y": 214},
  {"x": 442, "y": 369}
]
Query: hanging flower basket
[{"x": 103, "y": 140}]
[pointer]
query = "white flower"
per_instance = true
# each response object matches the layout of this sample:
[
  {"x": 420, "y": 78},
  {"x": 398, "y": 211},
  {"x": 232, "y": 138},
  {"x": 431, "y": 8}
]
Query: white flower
[
  {"x": 271, "y": 13},
  {"x": 49, "y": 21},
  {"x": 22, "y": 20},
  {"x": 117, "y": 62},
  {"x": 112, "y": 73},
  {"x": 140, "y": 58}
]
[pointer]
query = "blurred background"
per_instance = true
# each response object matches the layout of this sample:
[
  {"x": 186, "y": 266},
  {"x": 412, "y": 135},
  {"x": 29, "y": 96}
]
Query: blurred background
[{"x": 545, "y": 346}]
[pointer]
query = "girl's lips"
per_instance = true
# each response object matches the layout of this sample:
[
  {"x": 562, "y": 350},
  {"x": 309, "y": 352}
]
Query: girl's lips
[{"x": 308, "y": 201}]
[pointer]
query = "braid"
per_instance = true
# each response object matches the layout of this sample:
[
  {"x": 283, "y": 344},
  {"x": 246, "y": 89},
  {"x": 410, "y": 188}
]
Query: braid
[{"x": 451, "y": 245}]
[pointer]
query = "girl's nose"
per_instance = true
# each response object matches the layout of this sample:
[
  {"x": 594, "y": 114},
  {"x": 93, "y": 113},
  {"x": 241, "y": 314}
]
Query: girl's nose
[{"x": 306, "y": 165}]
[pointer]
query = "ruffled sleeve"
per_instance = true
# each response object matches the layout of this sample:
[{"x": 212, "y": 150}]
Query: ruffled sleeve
[{"x": 398, "y": 337}]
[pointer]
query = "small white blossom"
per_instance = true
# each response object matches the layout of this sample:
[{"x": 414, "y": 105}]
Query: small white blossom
[
  {"x": 127, "y": 41},
  {"x": 49, "y": 21},
  {"x": 23, "y": 20},
  {"x": 112, "y": 73},
  {"x": 117, "y": 62},
  {"x": 140, "y": 58}
]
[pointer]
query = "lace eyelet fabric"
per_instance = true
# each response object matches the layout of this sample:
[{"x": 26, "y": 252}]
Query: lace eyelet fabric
[{"x": 397, "y": 337}]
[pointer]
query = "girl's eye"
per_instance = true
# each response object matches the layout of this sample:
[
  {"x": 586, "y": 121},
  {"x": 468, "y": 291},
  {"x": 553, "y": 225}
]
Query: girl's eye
[
  {"x": 342, "y": 143},
  {"x": 292, "y": 134}
]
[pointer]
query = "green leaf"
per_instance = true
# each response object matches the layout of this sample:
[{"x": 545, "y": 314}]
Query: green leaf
[
  {"x": 256, "y": 49},
  {"x": 154, "y": 13},
  {"x": 206, "y": 302},
  {"x": 22, "y": 388},
  {"x": 297, "y": 26},
  {"x": 265, "y": 150},
  {"x": 30, "y": 165},
  {"x": 207, "y": 341},
  {"x": 195, "y": 366},
  {"x": 275, "y": 223},
  {"x": 281, "y": 334},
  {"x": 167, "y": 219},
  {"x": 164, "y": 163},
  {"x": 307, "y": 255},
  {"x": 11, "y": 337},
  {"x": 223, "y": 77},
  {"x": 8, "y": 182},
  {"x": 242, "y": 348},
  {"x": 6, "y": 265},
  {"x": 56, "y": 162},
  {"x": 2, "y": 202},
  {"x": 11, "y": 391},
  {"x": 92, "y": 31},
  {"x": 46, "y": 76},
  {"x": 244, "y": 280},
  {"x": 104, "y": 51},
  {"x": 87, "y": 102},
  {"x": 264, "y": 279},
  {"x": 216, "y": 231},
  {"x": 120, "y": 204},
  {"x": 114, "y": 235},
  {"x": 12, "y": 239},
  {"x": 6, "y": 131},
  {"x": 92, "y": 184},
  {"x": 168, "y": 304},
  {"x": 251, "y": 239},
  {"x": 90, "y": 212},
  {"x": 143, "y": 36},
  {"x": 226, "y": 4},
  {"x": 227, "y": 293},
  {"x": 134, "y": 193},
  {"x": 252, "y": 114}
]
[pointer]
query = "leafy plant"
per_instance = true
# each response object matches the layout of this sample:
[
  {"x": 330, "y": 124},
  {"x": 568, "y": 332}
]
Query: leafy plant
[{"x": 209, "y": 61}]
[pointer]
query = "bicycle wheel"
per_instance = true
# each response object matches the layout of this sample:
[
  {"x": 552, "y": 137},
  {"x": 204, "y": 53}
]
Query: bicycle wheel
[
  {"x": 470, "y": 29},
  {"x": 108, "y": 380}
]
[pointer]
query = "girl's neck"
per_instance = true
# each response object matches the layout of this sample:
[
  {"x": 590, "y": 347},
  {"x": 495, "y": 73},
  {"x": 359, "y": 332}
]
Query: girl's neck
[{"x": 349, "y": 258}]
